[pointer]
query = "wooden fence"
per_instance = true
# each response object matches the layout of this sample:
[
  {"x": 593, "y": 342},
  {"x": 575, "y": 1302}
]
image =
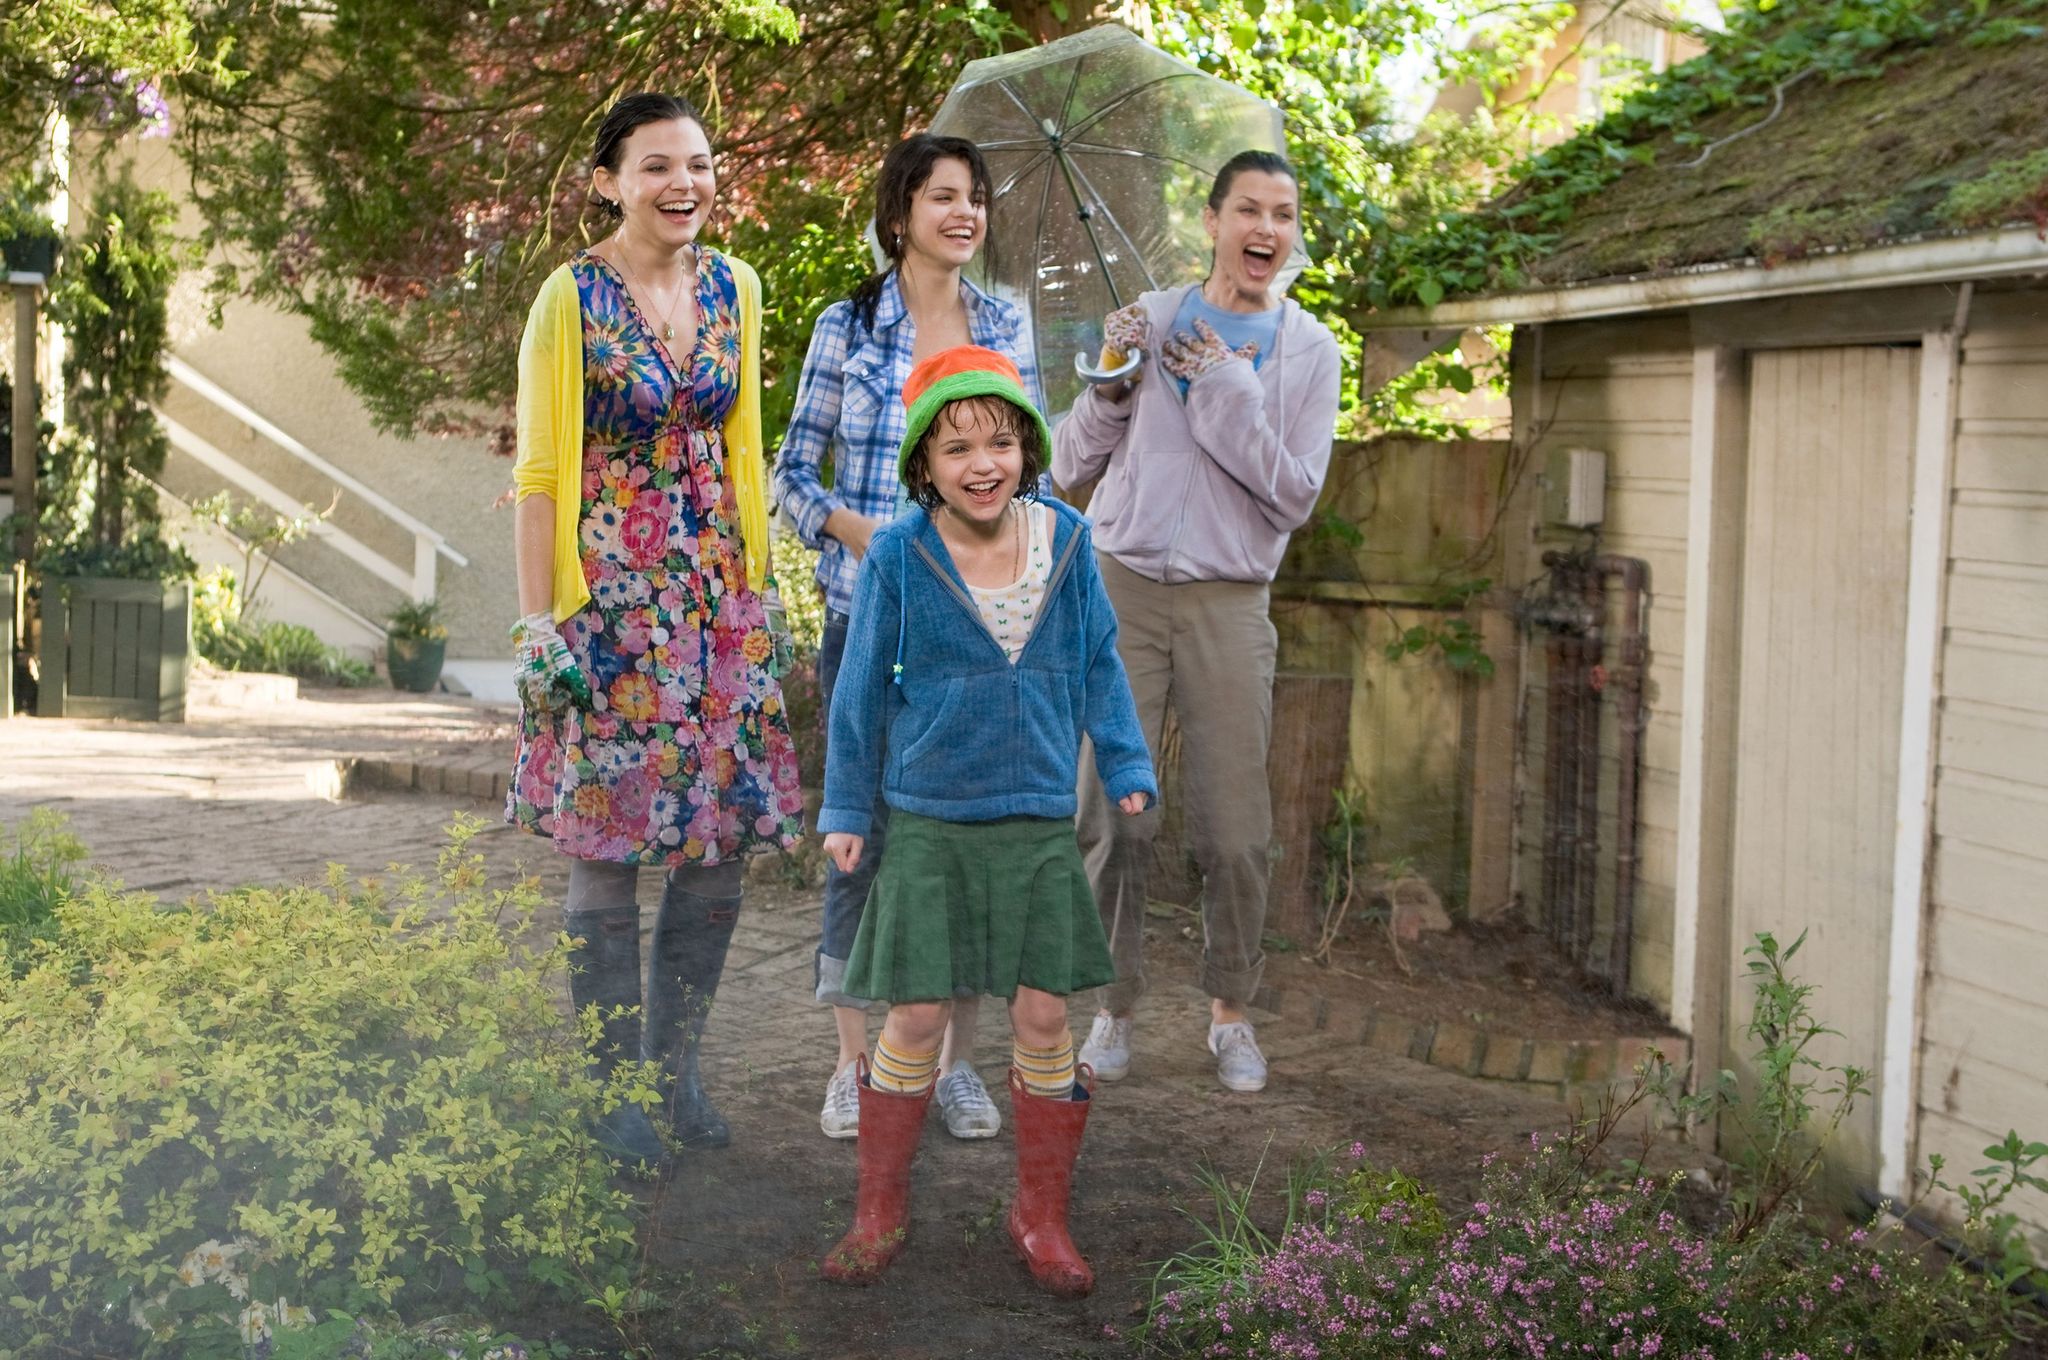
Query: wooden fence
[{"x": 1426, "y": 750}]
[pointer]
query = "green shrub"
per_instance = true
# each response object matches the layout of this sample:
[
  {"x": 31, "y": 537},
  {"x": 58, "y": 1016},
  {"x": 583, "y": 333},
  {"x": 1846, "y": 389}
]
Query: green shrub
[
  {"x": 417, "y": 619},
  {"x": 234, "y": 643},
  {"x": 803, "y": 604},
  {"x": 38, "y": 875},
  {"x": 352, "y": 1098},
  {"x": 294, "y": 649}
]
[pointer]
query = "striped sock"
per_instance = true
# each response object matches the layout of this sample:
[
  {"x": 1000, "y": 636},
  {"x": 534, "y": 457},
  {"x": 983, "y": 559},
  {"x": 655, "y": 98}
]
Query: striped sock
[
  {"x": 1047, "y": 1072},
  {"x": 907, "y": 1074}
]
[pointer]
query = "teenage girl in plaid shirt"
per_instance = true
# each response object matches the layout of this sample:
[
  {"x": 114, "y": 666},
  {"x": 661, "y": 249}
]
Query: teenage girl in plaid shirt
[{"x": 931, "y": 217}]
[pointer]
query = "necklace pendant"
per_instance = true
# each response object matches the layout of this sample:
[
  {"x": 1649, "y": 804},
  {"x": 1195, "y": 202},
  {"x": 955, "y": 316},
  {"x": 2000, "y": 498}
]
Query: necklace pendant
[{"x": 668, "y": 331}]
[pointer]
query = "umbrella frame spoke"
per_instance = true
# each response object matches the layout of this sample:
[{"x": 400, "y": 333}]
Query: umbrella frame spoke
[
  {"x": 1029, "y": 169},
  {"x": 1067, "y": 103},
  {"x": 1056, "y": 141},
  {"x": 1137, "y": 256},
  {"x": 1128, "y": 95},
  {"x": 1038, "y": 273},
  {"x": 1096, "y": 149}
]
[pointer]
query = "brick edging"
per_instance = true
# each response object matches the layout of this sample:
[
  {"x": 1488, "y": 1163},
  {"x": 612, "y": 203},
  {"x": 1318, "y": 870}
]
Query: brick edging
[
  {"x": 1560, "y": 1066},
  {"x": 360, "y": 774}
]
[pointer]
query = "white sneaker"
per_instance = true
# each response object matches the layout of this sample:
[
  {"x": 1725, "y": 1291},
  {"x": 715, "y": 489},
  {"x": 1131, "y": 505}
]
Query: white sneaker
[
  {"x": 1108, "y": 1049},
  {"x": 964, "y": 1101},
  {"x": 1239, "y": 1064},
  {"x": 841, "y": 1118}
]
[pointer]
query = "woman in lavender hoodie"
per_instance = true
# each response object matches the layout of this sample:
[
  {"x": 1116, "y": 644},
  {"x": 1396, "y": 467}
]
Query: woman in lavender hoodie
[{"x": 1206, "y": 460}]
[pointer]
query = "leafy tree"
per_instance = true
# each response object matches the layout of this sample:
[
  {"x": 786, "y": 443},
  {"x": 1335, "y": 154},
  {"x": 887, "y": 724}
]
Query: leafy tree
[
  {"x": 1327, "y": 65},
  {"x": 101, "y": 61},
  {"x": 411, "y": 217},
  {"x": 113, "y": 296}
]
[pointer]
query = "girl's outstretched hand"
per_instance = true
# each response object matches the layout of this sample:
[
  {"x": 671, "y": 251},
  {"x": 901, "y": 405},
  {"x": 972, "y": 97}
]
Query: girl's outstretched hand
[
  {"x": 1131, "y": 803},
  {"x": 844, "y": 849}
]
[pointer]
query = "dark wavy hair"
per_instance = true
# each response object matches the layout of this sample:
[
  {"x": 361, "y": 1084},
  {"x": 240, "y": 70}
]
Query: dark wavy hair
[
  {"x": 905, "y": 170},
  {"x": 631, "y": 112},
  {"x": 1272, "y": 162},
  {"x": 917, "y": 470}
]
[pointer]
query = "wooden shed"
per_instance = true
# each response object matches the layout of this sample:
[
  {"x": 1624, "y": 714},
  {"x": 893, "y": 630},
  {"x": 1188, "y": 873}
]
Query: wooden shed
[{"x": 1824, "y": 415}]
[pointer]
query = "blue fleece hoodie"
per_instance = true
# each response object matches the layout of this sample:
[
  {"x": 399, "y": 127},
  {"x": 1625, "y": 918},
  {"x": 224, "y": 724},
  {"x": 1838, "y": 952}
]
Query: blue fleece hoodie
[{"x": 928, "y": 706}]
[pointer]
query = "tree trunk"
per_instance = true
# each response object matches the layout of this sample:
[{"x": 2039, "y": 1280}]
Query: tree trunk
[{"x": 1044, "y": 20}]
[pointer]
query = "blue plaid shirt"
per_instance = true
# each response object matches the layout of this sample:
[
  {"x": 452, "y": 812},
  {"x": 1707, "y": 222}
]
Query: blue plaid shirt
[{"x": 849, "y": 403}]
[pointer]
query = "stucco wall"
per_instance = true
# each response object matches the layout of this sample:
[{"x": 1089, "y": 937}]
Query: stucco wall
[{"x": 268, "y": 360}]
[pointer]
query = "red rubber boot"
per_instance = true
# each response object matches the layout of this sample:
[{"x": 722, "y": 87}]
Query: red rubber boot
[
  {"x": 890, "y": 1126},
  {"x": 1048, "y": 1140}
]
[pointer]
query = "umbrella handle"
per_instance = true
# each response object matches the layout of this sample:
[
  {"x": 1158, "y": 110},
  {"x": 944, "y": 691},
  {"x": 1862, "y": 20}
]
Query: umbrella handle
[{"x": 1085, "y": 366}]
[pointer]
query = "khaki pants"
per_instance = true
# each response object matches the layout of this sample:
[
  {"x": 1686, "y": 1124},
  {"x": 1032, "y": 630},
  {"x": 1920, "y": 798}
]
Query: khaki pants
[{"x": 1207, "y": 648}]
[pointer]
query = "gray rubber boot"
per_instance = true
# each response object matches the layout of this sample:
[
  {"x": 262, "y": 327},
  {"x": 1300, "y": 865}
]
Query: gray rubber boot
[
  {"x": 605, "y": 972},
  {"x": 691, "y": 936}
]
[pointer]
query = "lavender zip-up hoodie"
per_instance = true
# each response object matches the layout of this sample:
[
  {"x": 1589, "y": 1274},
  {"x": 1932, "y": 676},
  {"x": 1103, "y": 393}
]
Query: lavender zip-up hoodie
[{"x": 1207, "y": 487}]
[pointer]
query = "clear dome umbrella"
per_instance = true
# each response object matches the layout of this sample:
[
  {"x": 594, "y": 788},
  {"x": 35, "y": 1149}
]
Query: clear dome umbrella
[{"x": 1101, "y": 149}]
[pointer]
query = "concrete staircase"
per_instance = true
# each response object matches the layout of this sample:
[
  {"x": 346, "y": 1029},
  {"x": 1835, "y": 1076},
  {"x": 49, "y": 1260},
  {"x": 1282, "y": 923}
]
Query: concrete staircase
[{"x": 368, "y": 557}]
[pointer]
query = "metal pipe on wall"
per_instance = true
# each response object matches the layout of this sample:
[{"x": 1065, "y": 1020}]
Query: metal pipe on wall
[
  {"x": 1553, "y": 782},
  {"x": 1573, "y": 612},
  {"x": 1628, "y": 680},
  {"x": 1586, "y": 852}
]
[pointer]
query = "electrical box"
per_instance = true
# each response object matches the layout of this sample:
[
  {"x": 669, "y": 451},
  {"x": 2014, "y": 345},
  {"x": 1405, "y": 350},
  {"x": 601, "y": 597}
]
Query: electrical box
[{"x": 1575, "y": 488}]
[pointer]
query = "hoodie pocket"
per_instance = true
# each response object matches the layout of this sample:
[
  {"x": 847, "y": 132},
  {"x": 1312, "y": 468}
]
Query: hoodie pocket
[
  {"x": 923, "y": 726},
  {"x": 1049, "y": 734}
]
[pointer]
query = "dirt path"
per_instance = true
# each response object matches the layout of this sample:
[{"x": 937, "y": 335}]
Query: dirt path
[{"x": 230, "y": 798}]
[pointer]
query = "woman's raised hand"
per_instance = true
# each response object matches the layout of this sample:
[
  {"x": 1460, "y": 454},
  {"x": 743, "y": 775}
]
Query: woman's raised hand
[
  {"x": 1127, "y": 329},
  {"x": 1188, "y": 357},
  {"x": 545, "y": 674},
  {"x": 844, "y": 849}
]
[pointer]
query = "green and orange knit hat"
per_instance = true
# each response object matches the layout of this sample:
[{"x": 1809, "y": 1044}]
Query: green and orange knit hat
[{"x": 962, "y": 371}]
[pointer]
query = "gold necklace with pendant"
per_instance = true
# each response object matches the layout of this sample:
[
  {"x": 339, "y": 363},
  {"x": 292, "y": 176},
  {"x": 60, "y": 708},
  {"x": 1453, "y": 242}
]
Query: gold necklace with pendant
[
  {"x": 1017, "y": 554},
  {"x": 668, "y": 328}
]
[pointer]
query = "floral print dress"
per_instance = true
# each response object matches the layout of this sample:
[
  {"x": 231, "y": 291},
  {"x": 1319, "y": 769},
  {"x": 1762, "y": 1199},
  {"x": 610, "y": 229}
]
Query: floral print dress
[{"x": 685, "y": 756}]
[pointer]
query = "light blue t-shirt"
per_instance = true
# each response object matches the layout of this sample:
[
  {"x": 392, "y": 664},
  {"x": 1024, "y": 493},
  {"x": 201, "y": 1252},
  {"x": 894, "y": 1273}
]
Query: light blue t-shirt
[{"x": 1236, "y": 329}]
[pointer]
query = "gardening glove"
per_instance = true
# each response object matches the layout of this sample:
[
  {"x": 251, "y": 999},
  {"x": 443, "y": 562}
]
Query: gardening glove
[
  {"x": 547, "y": 677},
  {"x": 1124, "y": 331},
  {"x": 1188, "y": 357}
]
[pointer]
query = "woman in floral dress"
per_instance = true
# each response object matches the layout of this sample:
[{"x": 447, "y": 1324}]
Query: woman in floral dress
[{"x": 652, "y": 728}]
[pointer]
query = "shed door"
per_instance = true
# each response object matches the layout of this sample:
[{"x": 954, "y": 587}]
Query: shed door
[{"x": 1822, "y": 658}]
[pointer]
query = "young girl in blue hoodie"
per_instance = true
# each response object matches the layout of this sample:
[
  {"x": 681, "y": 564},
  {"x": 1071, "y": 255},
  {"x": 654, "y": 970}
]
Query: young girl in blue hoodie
[{"x": 982, "y": 648}]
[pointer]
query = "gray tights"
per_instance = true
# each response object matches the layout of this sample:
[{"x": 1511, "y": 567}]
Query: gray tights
[{"x": 597, "y": 886}]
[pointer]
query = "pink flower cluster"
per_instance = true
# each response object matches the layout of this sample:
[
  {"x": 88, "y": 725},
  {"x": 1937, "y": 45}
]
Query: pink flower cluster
[{"x": 1614, "y": 1274}]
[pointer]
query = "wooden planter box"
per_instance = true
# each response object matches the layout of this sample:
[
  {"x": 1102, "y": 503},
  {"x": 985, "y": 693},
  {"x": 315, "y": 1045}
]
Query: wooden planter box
[{"x": 114, "y": 649}]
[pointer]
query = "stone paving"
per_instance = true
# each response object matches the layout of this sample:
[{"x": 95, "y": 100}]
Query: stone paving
[{"x": 251, "y": 788}]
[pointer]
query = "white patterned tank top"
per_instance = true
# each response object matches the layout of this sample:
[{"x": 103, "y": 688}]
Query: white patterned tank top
[{"x": 1011, "y": 611}]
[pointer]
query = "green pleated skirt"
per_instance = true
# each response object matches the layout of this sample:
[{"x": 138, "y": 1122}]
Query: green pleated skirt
[{"x": 978, "y": 908}]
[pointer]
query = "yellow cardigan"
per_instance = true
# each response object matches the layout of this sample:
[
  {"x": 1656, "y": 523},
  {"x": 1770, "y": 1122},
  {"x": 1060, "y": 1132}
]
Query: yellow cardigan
[{"x": 550, "y": 427}]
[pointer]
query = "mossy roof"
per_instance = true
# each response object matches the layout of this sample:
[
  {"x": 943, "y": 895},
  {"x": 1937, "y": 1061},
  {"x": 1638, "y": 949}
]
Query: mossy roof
[{"x": 1844, "y": 165}]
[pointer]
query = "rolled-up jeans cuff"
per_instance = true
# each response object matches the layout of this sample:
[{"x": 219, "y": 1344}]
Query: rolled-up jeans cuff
[
  {"x": 1233, "y": 986},
  {"x": 832, "y": 977}
]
